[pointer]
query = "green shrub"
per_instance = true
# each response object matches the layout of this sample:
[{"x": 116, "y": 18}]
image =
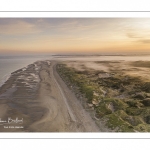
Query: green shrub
[
  {"x": 117, "y": 103},
  {"x": 115, "y": 122},
  {"x": 133, "y": 111}
]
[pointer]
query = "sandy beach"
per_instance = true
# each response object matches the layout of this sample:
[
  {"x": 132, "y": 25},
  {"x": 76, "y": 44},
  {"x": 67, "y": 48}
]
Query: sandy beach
[{"x": 35, "y": 99}]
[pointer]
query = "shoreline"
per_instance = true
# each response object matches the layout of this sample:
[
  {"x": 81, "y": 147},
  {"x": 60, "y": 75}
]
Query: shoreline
[
  {"x": 37, "y": 96},
  {"x": 4, "y": 79},
  {"x": 8, "y": 75},
  {"x": 13, "y": 94}
]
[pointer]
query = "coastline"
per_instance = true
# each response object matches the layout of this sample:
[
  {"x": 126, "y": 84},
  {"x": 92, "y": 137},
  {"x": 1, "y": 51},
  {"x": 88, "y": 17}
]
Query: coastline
[
  {"x": 13, "y": 93},
  {"x": 37, "y": 96},
  {"x": 4, "y": 79}
]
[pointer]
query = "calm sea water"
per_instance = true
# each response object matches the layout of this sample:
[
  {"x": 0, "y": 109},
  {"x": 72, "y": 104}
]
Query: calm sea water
[{"x": 10, "y": 64}]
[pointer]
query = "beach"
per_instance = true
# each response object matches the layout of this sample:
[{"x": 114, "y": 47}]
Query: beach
[{"x": 35, "y": 99}]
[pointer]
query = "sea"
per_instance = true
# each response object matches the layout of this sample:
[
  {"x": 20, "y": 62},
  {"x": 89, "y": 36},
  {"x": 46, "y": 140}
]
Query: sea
[{"x": 9, "y": 64}]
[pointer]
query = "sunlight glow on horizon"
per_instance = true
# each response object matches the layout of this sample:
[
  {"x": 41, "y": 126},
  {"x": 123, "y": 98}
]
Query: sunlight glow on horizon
[{"x": 74, "y": 35}]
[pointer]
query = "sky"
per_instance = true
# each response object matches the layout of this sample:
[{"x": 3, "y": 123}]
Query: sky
[{"x": 74, "y": 35}]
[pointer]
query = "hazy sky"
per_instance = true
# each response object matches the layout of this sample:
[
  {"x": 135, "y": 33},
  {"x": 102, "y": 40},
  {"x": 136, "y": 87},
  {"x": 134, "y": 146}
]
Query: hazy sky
[{"x": 74, "y": 35}]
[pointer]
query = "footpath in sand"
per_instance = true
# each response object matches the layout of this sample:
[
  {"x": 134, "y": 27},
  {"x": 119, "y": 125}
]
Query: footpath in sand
[{"x": 41, "y": 102}]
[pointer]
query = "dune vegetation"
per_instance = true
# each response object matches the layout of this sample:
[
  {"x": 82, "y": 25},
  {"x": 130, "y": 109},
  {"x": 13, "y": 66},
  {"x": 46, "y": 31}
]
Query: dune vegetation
[{"x": 121, "y": 101}]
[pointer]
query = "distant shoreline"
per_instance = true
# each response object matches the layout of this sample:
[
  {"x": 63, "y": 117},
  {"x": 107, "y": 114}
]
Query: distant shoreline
[{"x": 95, "y": 55}]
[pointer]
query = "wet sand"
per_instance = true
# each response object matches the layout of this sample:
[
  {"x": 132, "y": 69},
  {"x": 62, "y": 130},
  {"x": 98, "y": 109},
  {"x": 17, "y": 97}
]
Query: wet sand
[{"x": 35, "y": 99}]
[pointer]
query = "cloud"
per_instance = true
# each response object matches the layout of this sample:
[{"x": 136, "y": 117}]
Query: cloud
[
  {"x": 133, "y": 35},
  {"x": 69, "y": 25},
  {"x": 18, "y": 27},
  {"x": 144, "y": 41}
]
